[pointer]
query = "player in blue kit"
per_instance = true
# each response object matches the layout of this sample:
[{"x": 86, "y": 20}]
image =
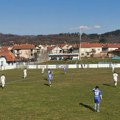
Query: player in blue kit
[
  {"x": 97, "y": 98},
  {"x": 65, "y": 69},
  {"x": 49, "y": 77}
]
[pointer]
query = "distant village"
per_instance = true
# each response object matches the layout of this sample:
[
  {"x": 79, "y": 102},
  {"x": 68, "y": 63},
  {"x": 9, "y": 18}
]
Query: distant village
[{"x": 39, "y": 53}]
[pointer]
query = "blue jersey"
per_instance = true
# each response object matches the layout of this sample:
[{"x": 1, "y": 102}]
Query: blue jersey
[
  {"x": 65, "y": 69},
  {"x": 97, "y": 95},
  {"x": 49, "y": 71},
  {"x": 49, "y": 75}
]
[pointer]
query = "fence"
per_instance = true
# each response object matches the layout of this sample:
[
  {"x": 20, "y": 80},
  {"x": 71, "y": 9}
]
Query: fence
[{"x": 69, "y": 66}]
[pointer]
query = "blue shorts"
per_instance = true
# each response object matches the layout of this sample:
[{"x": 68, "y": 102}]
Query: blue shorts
[
  {"x": 96, "y": 100},
  {"x": 49, "y": 78}
]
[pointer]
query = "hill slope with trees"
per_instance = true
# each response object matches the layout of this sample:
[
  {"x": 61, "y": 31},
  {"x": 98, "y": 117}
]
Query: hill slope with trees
[{"x": 72, "y": 38}]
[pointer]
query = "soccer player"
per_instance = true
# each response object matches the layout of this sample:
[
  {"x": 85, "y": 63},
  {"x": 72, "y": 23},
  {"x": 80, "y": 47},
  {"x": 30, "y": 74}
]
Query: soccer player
[
  {"x": 25, "y": 73},
  {"x": 50, "y": 77},
  {"x": 43, "y": 69},
  {"x": 113, "y": 67},
  {"x": 65, "y": 69},
  {"x": 115, "y": 78},
  {"x": 97, "y": 98},
  {"x": 2, "y": 78}
]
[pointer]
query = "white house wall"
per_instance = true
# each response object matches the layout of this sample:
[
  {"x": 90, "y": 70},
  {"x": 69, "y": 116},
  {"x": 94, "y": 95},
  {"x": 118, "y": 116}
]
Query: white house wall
[
  {"x": 111, "y": 49},
  {"x": 56, "y": 50},
  {"x": 84, "y": 51},
  {"x": 25, "y": 53},
  {"x": 97, "y": 50}
]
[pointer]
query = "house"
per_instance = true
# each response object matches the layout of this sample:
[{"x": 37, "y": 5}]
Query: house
[
  {"x": 110, "y": 47},
  {"x": 60, "y": 53},
  {"x": 41, "y": 49},
  {"x": 66, "y": 48},
  {"x": 96, "y": 49},
  {"x": 6, "y": 56},
  {"x": 115, "y": 53},
  {"x": 23, "y": 51},
  {"x": 85, "y": 50},
  {"x": 54, "y": 49}
]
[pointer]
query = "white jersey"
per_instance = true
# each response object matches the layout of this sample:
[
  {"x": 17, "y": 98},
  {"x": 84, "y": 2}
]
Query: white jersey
[
  {"x": 115, "y": 76},
  {"x": 113, "y": 67},
  {"x": 43, "y": 69},
  {"x": 25, "y": 73},
  {"x": 2, "y": 78}
]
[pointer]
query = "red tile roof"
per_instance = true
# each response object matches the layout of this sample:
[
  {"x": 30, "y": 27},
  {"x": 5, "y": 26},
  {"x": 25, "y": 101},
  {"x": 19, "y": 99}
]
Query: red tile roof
[
  {"x": 111, "y": 45},
  {"x": 8, "y": 55},
  {"x": 23, "y": 46},
  {"x": 61, "y": 45},
  {"x": 96, "y": 44},
  {"x": 90, "y": 45},
  {"x": 4, "y": 48},
  {"x": 87, "y": 45},
  {"x": 50, "y": 47}
]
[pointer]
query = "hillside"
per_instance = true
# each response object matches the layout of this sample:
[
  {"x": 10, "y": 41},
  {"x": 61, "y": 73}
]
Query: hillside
[{"x": 109, "y": 37}]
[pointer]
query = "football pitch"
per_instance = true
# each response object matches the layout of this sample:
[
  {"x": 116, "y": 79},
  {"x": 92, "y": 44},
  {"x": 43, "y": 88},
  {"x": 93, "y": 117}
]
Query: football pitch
[{"x": 69, "y": 98}]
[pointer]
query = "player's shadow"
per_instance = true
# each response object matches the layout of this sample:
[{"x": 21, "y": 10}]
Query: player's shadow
[
  {"x": 46, "y": 84},
  {"x": 86, "y": 106},
  {"x": 45, "y": 79},
  {"x": 105, "y": 84}
]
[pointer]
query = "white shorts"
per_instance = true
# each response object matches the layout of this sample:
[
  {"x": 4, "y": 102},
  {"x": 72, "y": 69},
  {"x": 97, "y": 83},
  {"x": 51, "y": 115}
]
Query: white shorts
[{"x": 115, "y": 80}]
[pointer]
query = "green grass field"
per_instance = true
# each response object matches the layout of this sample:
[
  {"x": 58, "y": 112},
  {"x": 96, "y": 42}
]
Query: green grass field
[{"x": 69, "y": 98}]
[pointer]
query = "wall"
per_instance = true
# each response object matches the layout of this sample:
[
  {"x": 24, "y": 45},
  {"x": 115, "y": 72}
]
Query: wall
[{"x": 69, "y": 66}]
